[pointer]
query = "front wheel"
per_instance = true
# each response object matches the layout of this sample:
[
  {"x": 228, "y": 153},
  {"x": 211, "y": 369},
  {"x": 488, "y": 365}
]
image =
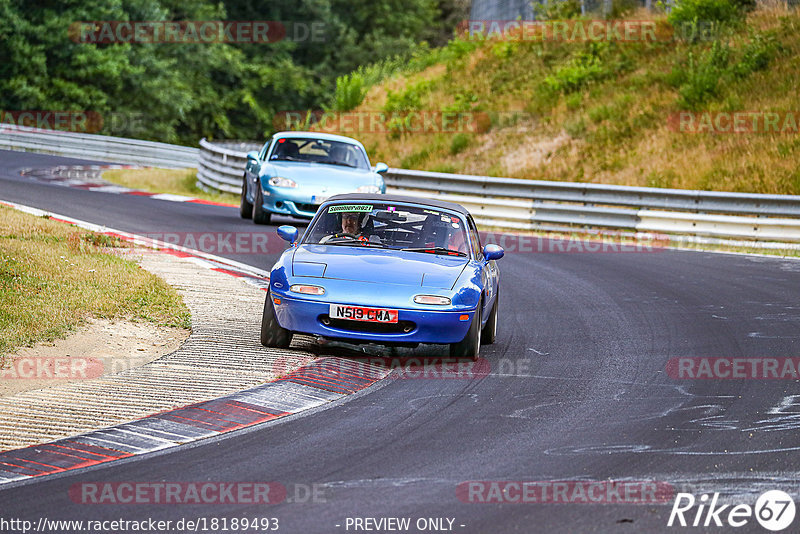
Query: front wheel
[
  {"x": 245, "y": 207},
  {"x": 272, "y": 334},
  {"x": 260, "y": 216},
  {"x": 470, "y": 346},
  {"x": 489, "y": 333}
]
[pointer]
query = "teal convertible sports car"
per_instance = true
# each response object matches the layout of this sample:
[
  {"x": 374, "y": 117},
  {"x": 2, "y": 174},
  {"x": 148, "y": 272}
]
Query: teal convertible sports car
[{"x": 295, "y": 172}]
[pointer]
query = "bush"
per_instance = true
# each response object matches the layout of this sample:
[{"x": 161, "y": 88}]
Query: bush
[
  {"x": 757, "y": 55},
  {"x": 349, "y": 93},
  {"x": 459, "y": 143},
  {"x": 462, "y": 102},
  {"x": 705, "y": 12},
  {"x": 415, "y": 159},
  {"x": 702, "y": 76},
  {"x": 559, "y": 10},
  {"x": 600, "y": 113},
  {"x": 701, "y": 79},
  {"x": 576, "y": 74},
  {"x": 504, "y": 49},
  {"x": 408, "y": 100}
]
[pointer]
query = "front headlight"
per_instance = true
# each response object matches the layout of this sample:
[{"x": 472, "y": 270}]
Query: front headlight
[
  {"x": 307, "y": 290},
  {"x": 432, "y": 299},
  {"x": 368, "y": 189},
  {"x": 279, "y": 181}
]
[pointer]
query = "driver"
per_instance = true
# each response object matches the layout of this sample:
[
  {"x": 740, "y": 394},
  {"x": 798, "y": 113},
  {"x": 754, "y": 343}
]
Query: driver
[
  {"x": 351, "y": 223},
  {"x": 456, "y": 240},
  {"x": 352, "y": 227}
]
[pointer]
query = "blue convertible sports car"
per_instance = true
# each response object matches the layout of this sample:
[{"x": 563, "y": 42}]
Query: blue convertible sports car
[
  {"x": 385, "y": 269},
  {"x": 295, "y": 172}
]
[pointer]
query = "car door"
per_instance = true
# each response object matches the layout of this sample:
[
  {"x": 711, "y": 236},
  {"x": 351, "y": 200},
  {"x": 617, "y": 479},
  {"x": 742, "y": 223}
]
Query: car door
[{"x": 489, "y": 273}]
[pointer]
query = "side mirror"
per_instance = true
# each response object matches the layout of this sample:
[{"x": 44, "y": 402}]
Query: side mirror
[
  {"x": 381, "y": 168},
  {"x": 288, "y": 233},
  {"x": 252, "y": 155},
  {"x": 493, "y": 252}
]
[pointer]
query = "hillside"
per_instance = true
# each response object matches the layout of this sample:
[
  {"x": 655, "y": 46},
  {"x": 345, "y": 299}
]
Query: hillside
[{"x": 605, "y": 112}]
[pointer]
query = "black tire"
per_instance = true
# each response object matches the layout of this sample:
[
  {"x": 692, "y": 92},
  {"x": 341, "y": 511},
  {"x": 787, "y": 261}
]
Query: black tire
[
  {"x": 470, "y": 346},
  {"x": 272, "y": 334},
  {"x": 489, "y": 333},
  {"x": 259, "y": 215},
  {"x": 245, "y": 207}
]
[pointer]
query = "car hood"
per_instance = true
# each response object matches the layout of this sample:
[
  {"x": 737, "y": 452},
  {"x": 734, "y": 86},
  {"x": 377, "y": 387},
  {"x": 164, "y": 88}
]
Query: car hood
[
  {"x": 379, "y": 266},
  {"x": 320, "y": 174}
]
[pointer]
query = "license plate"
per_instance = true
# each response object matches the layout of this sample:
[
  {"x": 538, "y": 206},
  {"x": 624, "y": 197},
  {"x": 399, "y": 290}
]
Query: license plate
[
  {"x": 358, "y": 313},
  {"x": 319, "y": 199}
]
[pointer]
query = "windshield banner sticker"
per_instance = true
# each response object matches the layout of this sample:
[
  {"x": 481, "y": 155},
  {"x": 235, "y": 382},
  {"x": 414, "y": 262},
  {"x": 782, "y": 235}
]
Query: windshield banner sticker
[{"x": 365, "y": 208}]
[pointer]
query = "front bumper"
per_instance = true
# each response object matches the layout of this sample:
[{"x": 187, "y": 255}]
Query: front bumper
[
  {"x": 427, "y": 326},
  {"x": 278, "y": 201}
]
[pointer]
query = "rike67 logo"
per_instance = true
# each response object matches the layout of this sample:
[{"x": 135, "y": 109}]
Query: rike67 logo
[{"x": 774, "y": 510}]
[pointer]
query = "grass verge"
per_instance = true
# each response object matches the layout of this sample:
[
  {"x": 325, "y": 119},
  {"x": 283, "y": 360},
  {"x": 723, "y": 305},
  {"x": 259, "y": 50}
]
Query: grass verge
[
  {"x": 173, "y": 181},
  {"x": 53, "y": 276}
]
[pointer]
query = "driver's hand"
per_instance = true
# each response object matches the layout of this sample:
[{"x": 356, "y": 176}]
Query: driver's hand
[{"x": 331, "y": 236}]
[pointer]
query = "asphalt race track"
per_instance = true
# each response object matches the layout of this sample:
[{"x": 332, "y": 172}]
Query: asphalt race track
[{"x": 578, "y": 390}]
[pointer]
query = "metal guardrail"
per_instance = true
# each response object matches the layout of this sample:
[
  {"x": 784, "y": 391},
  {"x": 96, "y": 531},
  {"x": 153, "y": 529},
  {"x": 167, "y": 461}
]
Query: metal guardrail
[
  {"x": 97, "y": 147},
  {"x": 537, "y": 204},
  {"x": 220, "y": 166},
  {"x": 506, "y": 203},
  {"x": 512, "y": 203}
]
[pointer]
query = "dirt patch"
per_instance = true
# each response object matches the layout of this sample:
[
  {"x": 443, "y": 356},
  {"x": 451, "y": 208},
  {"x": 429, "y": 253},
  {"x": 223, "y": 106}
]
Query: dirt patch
[
  {"x": 101, "y": 347},
  {"x": 535, "y": 153}
]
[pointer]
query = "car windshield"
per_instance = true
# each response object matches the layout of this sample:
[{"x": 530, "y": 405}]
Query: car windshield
[
  {"x": 386, "y": 225},
  {"x": 319, "y": 151}
]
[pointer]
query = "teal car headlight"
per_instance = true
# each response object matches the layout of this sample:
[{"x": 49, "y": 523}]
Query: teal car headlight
[
  {"x": 279, "y": 181},
  {"x": 368, "y": 189}
]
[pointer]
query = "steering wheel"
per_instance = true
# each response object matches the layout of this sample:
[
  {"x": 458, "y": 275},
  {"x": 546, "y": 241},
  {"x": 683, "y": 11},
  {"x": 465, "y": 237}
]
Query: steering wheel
[{"x": 334, "y": 236}]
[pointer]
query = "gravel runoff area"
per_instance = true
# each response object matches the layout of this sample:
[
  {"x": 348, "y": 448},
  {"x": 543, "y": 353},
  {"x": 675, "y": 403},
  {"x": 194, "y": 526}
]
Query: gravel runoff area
[{"x": 221, "y": 356}]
